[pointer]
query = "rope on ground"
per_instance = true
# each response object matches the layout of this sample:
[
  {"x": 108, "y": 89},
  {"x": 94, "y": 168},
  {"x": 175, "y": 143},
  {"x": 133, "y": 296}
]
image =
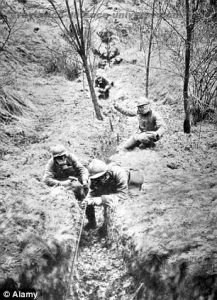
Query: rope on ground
[
  {"x": 76, "y": 250},
  {"x": 137, "y": 291}
]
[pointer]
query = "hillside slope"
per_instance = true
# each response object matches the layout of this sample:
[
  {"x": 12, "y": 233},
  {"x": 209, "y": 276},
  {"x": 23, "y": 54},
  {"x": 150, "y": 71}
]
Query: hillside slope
[{"x": 161, "y": 243}]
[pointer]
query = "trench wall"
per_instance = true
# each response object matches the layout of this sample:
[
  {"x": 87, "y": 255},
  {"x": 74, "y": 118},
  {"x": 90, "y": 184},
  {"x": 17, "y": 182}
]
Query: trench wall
[
  {"x": 168, "y": 230},
  {"x": 38, "y": 242}
]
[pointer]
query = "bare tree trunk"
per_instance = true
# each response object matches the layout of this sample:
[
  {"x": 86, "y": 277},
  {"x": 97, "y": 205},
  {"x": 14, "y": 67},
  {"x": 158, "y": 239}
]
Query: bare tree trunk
[
  {"x": 189, "y": 29},
  {"x": 149, "y": 49},
  {"x": 79, "y": 41},
  {"x": 91, "y": 87}
]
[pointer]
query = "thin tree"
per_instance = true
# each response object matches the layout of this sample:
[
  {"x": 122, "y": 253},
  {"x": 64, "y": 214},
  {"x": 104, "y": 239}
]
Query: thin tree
[
  {"x": 150, "y": 48},
  {"x": 78, "y": 34},
  {"x": 191, "y": 7}
]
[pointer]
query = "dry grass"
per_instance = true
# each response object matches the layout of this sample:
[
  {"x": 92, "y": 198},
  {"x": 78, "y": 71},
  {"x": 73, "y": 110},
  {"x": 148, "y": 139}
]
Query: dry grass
[
  {"x": 35, "y": 251},
  {"x": 11, "y": 105}
]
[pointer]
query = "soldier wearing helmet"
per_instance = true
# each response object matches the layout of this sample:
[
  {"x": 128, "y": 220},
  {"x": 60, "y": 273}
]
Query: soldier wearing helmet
[
  {"x": 103, "y": 86},
  {"x": 108, "y": 184},
  {"x": 151, "y": 125},
  {"x": 64, "y": 169}
]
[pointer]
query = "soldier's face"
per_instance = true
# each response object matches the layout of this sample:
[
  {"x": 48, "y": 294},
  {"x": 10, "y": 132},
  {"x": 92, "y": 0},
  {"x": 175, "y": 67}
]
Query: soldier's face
[
  {"x": 97, "y": 182},
  {"x": 104, "y": 178},
  {"x": 61, "y": 160},
  {"x": 143, "y": 109},
  {"x": 99, "y": 82}
]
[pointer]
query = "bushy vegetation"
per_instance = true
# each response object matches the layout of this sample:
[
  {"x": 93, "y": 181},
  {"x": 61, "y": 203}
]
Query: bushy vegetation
[{"x": 62, "y": 63}]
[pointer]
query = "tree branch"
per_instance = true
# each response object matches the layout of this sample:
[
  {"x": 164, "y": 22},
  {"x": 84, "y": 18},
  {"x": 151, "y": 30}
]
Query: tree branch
[{"x": 78, "y": 45}]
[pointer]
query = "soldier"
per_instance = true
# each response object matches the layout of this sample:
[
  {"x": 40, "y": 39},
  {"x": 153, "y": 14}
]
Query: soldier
[
  {"x": 64, "y": 169},
  {"x": 151, "y": 126},
  {"x": 109, "y": 184},
  {"x": 103, "y": 86}
]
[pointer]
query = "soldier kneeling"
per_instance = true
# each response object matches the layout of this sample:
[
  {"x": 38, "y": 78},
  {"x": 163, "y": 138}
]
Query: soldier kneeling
[{"x": 64, "y": 169}]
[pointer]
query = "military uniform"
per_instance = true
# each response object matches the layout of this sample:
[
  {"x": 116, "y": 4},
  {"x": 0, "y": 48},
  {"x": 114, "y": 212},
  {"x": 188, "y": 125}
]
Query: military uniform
[
  {"x": 54, "y": 174},
  {"x": 116, "y": 186},
  {"x": 103, "y": 86},
  {"x": 109, "y": 184},
  {"x": 151, "y": 125},
  {"x": 64, "y": 169}
]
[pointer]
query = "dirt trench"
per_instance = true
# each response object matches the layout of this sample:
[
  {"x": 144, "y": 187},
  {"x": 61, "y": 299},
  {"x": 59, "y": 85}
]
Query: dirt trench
[
  {"x": 42, "y": 224},
  {"x": 157, "y": 240}
]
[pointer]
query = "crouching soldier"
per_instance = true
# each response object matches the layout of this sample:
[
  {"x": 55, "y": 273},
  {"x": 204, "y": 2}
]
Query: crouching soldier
[
  {"x": 64, "y": 169},
  {"x": 108, "y": 184},
  {"x": 151, "y": 126},
  {"x": 103, "y": 87}
]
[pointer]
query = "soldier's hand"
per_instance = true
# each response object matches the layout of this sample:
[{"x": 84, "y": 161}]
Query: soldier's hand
[
  {"x": 153, "y": 136},
  {"x": 97, "y": 201},
  {"x": 65, "y": 182},
  {"x": 92, "y": 201},
  {"x": 106, "y": 200},
  {"x": 73, "y": 178},
  {"x": 83, "y": 204},
  {"x": 156, "y": 136},
  {"x": 86, "y": 183},
  {"x": 87, "y": 201}
]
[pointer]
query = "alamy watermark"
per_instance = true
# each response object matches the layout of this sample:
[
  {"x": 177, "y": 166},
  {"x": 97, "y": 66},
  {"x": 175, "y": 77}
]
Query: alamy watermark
[{"x": 20, "y": 294}]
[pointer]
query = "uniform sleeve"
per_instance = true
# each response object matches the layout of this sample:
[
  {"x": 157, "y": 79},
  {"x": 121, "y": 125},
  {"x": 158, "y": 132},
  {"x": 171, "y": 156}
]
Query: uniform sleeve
[
  {"x": 49, "y": 175},
  {"x": 80, "y": 169},
  {"x": 126, "y": 112},
  {"x": 160, "y": 124},
  {"x": 121, "y": 180}
]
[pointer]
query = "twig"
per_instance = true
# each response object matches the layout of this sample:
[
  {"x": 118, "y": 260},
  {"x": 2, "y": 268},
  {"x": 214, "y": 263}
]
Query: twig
[
  {"x": 83, "y": 82},
  {"x": 111, "y": 125}
]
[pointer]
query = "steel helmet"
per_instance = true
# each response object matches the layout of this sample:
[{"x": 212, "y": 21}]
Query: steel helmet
[
  {"x": 58, "y": 150},
  {"x": 145, "y": 103},
  {"x": 142, "y": 101},
  {"x": 97, "y": 168}
]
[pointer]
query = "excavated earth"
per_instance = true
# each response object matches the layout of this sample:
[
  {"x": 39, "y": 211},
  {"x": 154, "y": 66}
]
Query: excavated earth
[{"x": 161, "y": 243}]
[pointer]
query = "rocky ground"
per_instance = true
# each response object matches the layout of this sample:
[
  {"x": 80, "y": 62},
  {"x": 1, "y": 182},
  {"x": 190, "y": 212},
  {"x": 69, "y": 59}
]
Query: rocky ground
[{"x": 161, "y": 243}]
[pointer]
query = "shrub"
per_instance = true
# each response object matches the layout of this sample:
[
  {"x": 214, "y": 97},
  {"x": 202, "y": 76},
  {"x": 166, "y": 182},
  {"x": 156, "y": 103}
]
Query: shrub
[
  {"x": 201, "y": 110},
  {"x": 51, "y": 67},
  {"x": 71, "y": 71},
  {"x": 61, "y": 62}
]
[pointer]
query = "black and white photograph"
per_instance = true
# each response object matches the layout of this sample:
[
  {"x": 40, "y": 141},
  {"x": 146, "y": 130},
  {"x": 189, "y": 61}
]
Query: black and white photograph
[{"x": 108, "y": 149}]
